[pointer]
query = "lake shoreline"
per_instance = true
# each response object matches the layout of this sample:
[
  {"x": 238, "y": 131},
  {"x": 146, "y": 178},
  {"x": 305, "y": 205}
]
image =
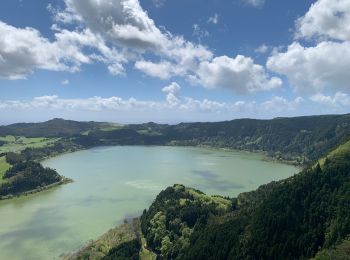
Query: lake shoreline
[
  {"x": 264, "y": 154},
  {"x": 37, "y": 190},
  {"x": 265, "y": 157},
  {"x": 114, "y": 183}
]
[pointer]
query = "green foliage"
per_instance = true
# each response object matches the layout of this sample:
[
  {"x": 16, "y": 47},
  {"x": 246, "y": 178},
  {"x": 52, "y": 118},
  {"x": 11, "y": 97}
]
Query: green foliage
[
  {"x": 339, "y": 252},
  {"x": 122, "y": 242},
  {"x": 4, "y": 166},
  {"x": 19, "y": 143},
  {"x": 126, "y": 251},
  {"x": 173, "y": 216},
  {"x": 52, "y": 128},
  {"x": 40, "y": 153},
  {"x": 13, "y": 158},
  {"x": 7, "y": 139},
  {"x": 122, "y": 136},
  {"x": 25, "y": 176}
]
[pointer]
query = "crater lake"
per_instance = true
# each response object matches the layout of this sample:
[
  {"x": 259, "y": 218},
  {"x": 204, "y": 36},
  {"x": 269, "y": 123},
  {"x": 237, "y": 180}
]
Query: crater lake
[{"x": 115, "y": 183}]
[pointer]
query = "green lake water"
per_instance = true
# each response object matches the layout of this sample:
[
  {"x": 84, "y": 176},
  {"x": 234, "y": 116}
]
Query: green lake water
[{"x": 114, "y": 183}]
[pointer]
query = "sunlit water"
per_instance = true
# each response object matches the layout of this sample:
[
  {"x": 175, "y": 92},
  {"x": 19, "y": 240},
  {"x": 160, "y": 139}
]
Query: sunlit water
[{"x": 114, "y": 183}]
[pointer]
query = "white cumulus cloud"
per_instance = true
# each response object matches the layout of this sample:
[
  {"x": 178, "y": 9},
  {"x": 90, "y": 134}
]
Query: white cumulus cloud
[
  {"x": 125, "y": 24},
  {"x": 172, "y": 92},
  {"x": 322, "y": 65},
  {"x": 313, "y": 69},
  {"x": 24, "y": 49},
  {"x": 339, "y": 99},
  {"x": 280, "y": 104},
  {"x": 239, "y": 74},
  {"x": 326, "y": 19},
  {"x": 162, "y": 70}
]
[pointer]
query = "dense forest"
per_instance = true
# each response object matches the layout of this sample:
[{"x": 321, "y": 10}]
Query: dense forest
[
  {"x": 175, "y": 214},
  {"x": 26, "y": 176}
]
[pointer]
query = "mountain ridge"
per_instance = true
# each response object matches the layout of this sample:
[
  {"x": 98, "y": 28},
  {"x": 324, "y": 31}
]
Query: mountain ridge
[{"x": 299, "y": 140}]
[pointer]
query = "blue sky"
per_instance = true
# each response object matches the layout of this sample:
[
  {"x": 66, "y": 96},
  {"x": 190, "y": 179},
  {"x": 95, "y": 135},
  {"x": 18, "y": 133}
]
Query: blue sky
[{"x": 133, "y": 61}]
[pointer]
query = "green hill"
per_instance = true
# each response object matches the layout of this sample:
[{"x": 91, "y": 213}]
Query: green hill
[{"x": 53, "y": 128}]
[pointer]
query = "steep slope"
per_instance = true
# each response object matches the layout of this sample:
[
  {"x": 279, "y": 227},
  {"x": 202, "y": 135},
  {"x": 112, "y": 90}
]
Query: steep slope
[
  {"x": 299, "y": 139},
  {"x": 121, "y": 242},
  {"x": 171, "y": 219}
]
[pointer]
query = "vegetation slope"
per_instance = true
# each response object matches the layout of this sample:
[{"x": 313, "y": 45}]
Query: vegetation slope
[{"x": 26, "y": 175}]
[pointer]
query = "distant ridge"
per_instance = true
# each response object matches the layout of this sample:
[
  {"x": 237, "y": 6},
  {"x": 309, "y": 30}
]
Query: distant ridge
[{"x": 298, "y": 140}]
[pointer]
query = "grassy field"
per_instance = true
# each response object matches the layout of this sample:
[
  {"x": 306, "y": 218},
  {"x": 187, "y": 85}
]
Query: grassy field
[
  {"x": 19, "y": 143},
  {"x": 9, "y": 138},
  {"x": 145, "y": 254},
  {"x": 3, "y": 167},
  {"x": 106, "y": 127},
  {"x": 111, "y": 127}
]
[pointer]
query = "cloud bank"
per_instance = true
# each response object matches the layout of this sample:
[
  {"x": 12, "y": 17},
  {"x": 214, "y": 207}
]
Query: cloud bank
[{"x": 175, "y": 106}]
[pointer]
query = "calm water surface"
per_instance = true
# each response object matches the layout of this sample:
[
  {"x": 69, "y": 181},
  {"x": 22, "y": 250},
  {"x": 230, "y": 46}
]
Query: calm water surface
[{"x": 114, "y": 183}]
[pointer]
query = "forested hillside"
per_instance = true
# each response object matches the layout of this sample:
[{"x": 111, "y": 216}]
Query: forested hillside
[
  {"x": 24, "y": 176},
  {"x": 177, "y": 211},
  {"x": 299, "y": 140},
  {"x": 52, "y": 128}
]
